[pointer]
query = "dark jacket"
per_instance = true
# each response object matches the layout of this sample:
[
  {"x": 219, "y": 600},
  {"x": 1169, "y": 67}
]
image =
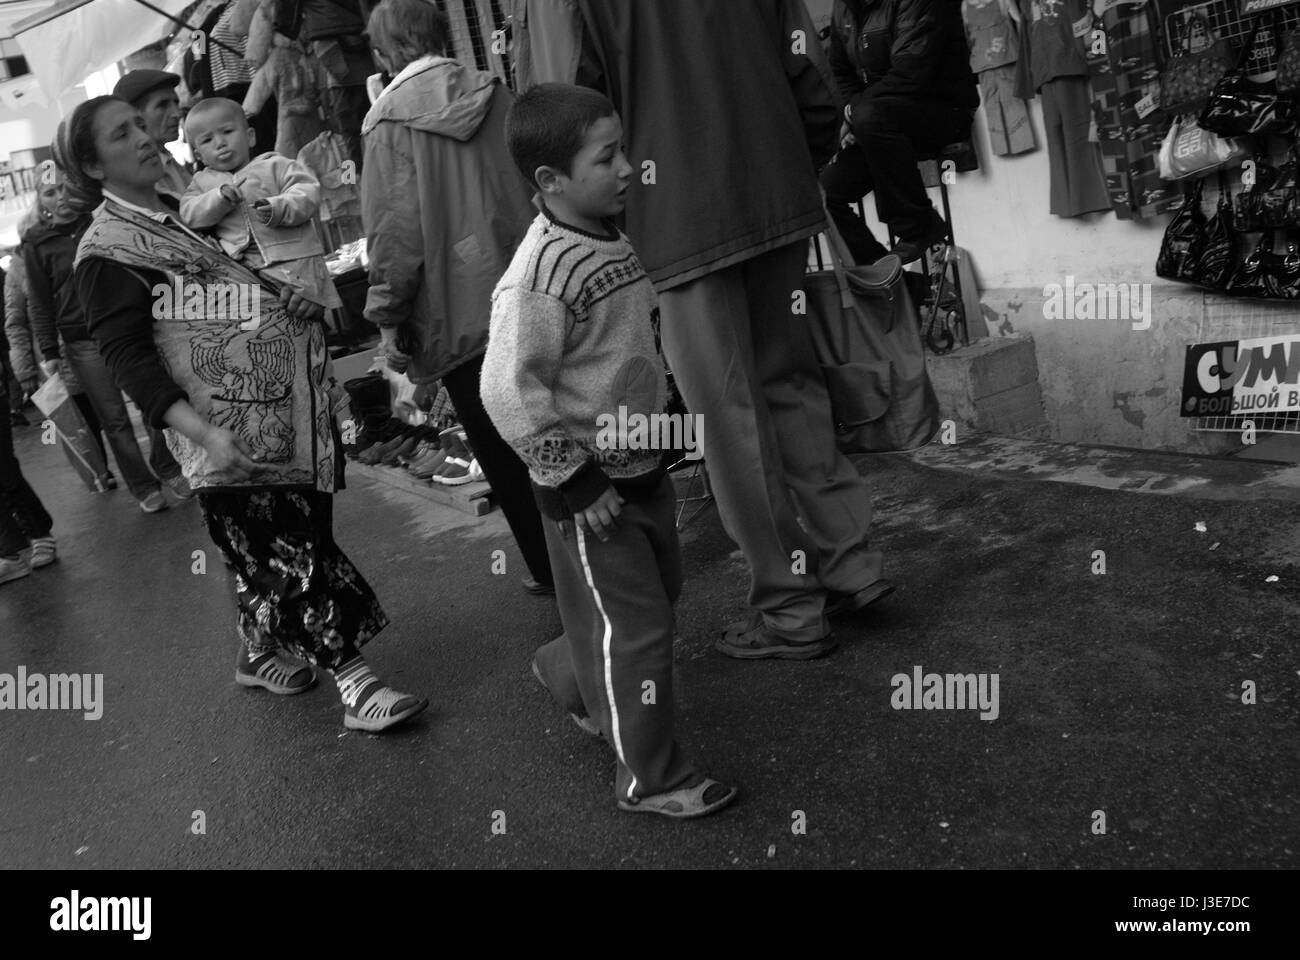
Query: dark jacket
[
  {"x": 902, "y": 48},
  {"x": 714, "y": 93},
  {"x": 52, "y": 302}
]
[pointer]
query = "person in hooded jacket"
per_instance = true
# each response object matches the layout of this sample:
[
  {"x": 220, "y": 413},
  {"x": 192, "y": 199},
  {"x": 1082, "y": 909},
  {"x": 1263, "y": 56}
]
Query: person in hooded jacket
[{"x": 444, "y": 210}]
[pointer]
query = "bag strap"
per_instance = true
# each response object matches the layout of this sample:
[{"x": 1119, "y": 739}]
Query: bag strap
[{"x": 841, "y": 258}]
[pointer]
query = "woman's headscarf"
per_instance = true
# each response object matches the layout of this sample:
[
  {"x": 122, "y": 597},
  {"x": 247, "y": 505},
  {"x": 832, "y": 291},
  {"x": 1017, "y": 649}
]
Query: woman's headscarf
[{"x": 81, "y": 191}]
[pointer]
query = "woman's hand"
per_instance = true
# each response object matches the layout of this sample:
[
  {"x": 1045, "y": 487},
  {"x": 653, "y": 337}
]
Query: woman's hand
[
  {"x": 49, "y": 368},
  {"x": 229, "y": 455},
  {"x": 300, "y": 306}
]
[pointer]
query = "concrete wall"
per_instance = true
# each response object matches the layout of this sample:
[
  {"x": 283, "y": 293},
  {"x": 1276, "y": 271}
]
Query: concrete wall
[{"x": 1103, "y": 381}]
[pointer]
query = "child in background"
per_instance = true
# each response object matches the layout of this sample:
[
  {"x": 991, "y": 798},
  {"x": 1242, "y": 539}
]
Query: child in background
[
  {"x": 260, "y": 209},
  {"x": 572, "y": 339}
]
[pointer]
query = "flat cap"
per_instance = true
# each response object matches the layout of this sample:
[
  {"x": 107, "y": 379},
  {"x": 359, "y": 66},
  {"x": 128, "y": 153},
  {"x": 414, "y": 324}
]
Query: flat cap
[{"x": 136, "y": 83}]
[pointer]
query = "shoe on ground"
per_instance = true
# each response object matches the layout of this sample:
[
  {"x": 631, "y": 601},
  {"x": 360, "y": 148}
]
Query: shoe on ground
[
  {"x": 14, "y": 568},
  {"x": 274, "y": 672},
  {"x": 154, "y": 502},
  {"x": 840, "y": 604},
  {"x": 403, "y": 449},
  {"x": 538, "y": 589},
  {"x": 475, "y": 471},
  {"x": 180, "y": 487},
  {"x": 455, "y": 470},
  {"x": 428, "y": 465},
  {"x": 379, "y": 707},
  {"x": 685, "y": 803},
  {"x": 752, "y": 640},
  {"x": 43, "y": 552},
  {"x": 584, "y": 722}
]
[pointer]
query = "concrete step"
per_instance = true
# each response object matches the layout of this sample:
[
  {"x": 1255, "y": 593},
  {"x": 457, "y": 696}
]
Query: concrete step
[{"x": 1138, "y": 471}]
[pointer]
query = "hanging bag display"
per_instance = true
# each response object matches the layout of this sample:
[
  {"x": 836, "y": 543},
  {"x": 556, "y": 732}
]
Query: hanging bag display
[
  {"x": 866, "y": 333},
  {"x": 1268, "y": 275},
  {"x": 1219, "y": 249},
  {"x": 1189, "y": 151},
  {"x": 1273, "y": 201},
  {"x": 1188, "y": 78},
  {"x": 1240, "y": 107},
  {"x": 1288, "y": 65},
  {"x": 1184, "y": 238}
]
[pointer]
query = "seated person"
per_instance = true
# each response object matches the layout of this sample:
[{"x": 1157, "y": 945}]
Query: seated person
[{"x": 903, "y": 70}]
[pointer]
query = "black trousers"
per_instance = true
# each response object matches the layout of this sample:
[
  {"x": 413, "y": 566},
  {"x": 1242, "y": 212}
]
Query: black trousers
[
  {"x": 891, "y": 133},
  {"x": 502, "y": 467},
  {"x": 22, "y": 515}
]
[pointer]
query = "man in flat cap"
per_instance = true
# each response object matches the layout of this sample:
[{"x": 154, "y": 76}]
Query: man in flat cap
[{"x": 153, "y": 93}]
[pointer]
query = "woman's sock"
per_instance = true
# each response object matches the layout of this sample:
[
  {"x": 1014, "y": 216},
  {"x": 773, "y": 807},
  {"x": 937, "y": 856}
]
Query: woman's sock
[{"x": 352, "y": 678}]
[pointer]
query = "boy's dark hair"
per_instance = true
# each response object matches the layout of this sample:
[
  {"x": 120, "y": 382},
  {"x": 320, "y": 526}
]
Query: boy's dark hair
[{"x": 548, "y": 124}]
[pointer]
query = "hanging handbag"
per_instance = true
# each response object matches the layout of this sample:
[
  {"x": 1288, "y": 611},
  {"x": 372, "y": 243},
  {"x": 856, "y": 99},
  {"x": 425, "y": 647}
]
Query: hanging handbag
[
  {"x": 1267, "y": 275},
  {"x": 1180, "y": 249},
  {"x": 1239, "y": 107},
  {"x": 1189, "y": 151},
  {"x": 866, "y": 333},
  {"x": 1188, "y": 78},
  {"x": 1246, "y": 208},
  {"x": 1219, "y": 248},
  {"x": 1288, "y": 65}
]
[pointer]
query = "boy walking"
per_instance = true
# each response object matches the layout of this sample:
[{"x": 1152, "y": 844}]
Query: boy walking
[{"x": 572, "y": 340}]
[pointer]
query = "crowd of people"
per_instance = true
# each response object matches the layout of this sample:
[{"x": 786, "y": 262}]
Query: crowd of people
[{"x": 498, "y": 269}]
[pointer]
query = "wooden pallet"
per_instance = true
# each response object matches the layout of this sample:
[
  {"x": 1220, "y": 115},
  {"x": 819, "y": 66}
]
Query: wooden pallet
[{"x": 472, "y": 498}]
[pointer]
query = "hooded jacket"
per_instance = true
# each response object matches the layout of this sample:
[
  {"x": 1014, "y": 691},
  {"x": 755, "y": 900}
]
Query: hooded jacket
[
  {"x": 18, "y": 331},
  {"x": 901, "y": 48},
  {"x": 444, "y": 209},
  {"x": 728, "y": 111},
  {"x": 52, "y": 303}
]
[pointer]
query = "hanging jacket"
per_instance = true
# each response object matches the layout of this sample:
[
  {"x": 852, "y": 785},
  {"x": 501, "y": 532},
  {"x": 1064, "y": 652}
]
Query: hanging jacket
[
  {"x": 294, "y": 81},
  {"x": 52, "y": 302},
  {"x": 443, "y": 206},
  {"x": 339, "y": 194},
  {"x": 734, "y": 117},
  {"x": 18, "y": 330},
  {"x": 902, "y": 48}
]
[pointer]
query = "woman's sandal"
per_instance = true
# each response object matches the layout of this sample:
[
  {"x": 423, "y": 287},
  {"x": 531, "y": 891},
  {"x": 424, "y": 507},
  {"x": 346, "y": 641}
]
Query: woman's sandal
[
  {"x": 686, "y": 803},
  {"x": 274, "y": 672},
  {"x": 378, "y": 707}
]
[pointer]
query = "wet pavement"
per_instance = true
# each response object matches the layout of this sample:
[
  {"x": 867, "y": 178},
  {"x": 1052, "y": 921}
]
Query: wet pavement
[{"x": 1119, "y": 693}]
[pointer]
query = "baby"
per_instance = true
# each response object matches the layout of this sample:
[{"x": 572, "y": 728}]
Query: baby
[{"x": 260, "y": 209}]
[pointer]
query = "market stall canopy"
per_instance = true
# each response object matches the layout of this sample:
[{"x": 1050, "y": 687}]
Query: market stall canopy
[{"x": 72, "y": 39}]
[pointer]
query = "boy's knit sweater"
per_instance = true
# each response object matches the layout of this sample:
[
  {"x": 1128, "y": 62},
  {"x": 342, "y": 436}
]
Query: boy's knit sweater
[{"x": 571, "y": 340}]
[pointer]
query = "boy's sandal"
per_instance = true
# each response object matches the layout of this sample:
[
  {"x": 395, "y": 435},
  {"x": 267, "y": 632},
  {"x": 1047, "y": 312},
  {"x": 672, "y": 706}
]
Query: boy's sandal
[
  {"x": 752, "y": 640},
  {"x": 685, "y": 803},
  {"x": 380, "y": 708},
  {"x": 273, "y": 672},
  {"x": 838, "y": 604},
  {"x": 585, "y": 724}
]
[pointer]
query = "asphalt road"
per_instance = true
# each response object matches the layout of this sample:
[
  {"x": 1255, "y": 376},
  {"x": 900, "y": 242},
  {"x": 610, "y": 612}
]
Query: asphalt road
[{"x": 1119, "y": 693}]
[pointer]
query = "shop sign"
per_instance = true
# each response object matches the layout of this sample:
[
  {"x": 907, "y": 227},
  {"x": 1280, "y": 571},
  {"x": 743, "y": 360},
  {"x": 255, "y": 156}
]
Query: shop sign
[
  {"x": 1255, "y": 6},
  {"x": 1242, "y": 378}
]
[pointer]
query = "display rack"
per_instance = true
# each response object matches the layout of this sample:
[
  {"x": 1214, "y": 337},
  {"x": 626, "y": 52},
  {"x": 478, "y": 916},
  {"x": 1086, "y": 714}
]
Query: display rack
[{"x": 1226, "y": 22}]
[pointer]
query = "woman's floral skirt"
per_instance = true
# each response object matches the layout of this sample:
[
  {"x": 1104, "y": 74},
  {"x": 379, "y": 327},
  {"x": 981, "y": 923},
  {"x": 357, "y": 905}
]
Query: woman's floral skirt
[{"x": 295, "y": 589}]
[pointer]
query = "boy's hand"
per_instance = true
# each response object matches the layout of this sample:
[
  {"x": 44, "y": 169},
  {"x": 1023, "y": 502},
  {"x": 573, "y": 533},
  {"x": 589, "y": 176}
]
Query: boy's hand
[
  {"x": 230, "y": 194},
  {"x": 263, "y": 210},
  {"x": 602, "y": 516}
]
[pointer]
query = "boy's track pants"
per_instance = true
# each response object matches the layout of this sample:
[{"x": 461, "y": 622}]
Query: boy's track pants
[{"x": 614, "y": 661}]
